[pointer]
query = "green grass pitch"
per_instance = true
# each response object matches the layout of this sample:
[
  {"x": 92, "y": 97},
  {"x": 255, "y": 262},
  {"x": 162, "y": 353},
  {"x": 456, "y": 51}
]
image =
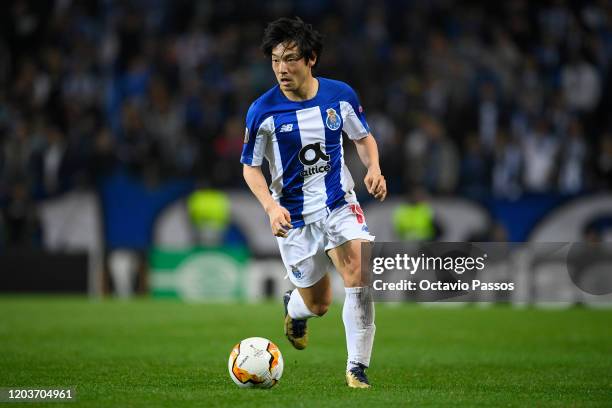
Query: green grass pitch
[{"x": 146, "y": 353}]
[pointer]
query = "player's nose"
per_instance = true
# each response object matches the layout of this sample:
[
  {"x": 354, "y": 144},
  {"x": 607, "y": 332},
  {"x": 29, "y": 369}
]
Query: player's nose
[{"x": 282, "y": 67}]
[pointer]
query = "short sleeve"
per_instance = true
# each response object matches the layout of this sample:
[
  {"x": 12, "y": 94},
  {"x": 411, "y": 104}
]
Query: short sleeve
[
  {"x": 354, "y": 120},
  {"x": 255, "y": 139}
]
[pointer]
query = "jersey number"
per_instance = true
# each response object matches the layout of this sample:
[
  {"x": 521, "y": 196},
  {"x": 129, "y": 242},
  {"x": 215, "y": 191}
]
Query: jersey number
[{"x": 355, "y": 209}]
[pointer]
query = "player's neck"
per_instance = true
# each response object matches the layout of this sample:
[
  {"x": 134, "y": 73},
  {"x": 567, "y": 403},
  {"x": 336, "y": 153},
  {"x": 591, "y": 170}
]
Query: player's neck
[{"x": 307, "y": 91}]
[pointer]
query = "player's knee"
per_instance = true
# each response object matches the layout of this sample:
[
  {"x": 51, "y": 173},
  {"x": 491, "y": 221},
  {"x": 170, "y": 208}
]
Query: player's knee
[{"x": 352, "y": 277}]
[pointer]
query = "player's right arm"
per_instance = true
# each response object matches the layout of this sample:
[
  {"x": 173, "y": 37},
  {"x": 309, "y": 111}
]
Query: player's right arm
[
  {"x": 280, "y": 219},
  {"x": 257, "y": 132}
]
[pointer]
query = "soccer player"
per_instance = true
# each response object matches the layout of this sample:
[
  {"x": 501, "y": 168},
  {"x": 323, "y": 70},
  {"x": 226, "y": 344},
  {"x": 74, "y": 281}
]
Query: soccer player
[{"x": 297, "y": 126}]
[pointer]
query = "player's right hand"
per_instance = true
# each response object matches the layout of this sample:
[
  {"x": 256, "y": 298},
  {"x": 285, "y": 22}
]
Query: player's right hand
[{"x": 280, "y": 221}]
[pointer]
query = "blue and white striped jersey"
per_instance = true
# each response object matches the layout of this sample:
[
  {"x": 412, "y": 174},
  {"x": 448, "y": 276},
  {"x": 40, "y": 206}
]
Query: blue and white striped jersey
[{"x": 302, "y": 142}]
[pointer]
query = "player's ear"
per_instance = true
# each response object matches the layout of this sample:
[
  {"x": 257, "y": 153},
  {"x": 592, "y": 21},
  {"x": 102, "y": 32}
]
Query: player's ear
[{"x": 312, "y": 61}]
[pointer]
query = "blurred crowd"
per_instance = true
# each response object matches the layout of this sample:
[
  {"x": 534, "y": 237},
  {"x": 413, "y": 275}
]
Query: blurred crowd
[{"x": 472, "y": 98}]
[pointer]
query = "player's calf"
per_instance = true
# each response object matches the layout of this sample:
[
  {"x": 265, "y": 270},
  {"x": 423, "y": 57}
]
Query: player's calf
[{"x": 319, "y": 309}]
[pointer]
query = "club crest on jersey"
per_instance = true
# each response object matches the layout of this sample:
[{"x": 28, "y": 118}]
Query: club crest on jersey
[{"x": 332, "y": 121}]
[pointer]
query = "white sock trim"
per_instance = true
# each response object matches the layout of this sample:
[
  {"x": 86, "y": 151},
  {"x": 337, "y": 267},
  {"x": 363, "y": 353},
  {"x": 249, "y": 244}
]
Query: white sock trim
[{"x": 356, "y": 289}]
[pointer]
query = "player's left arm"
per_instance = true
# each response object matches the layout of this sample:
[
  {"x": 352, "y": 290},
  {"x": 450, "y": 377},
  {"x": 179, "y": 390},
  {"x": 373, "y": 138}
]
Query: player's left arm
[{"x": 374, "y": 180}]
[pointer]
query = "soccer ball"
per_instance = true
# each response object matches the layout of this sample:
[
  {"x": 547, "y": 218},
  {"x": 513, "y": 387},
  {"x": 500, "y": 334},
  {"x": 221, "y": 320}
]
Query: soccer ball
[{"x": 255, "y": 362}]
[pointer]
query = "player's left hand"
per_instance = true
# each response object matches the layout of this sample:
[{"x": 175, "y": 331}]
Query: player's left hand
[{"x": 376, "y": 184}]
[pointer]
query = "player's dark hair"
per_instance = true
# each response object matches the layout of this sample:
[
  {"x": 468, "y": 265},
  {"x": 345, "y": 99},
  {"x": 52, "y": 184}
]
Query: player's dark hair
[{"x": 293, "y": 30}]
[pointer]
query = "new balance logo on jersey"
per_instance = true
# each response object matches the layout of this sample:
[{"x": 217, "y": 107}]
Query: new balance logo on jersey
[
  {"x": 287, "y": 127},
  {"x": 311, "y": 154}
]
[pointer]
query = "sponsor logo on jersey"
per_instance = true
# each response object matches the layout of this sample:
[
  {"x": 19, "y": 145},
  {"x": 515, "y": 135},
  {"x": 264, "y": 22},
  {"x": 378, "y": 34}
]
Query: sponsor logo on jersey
[
  {"x": 310, "y": 155},
  {"x": 332, "y": 121}
]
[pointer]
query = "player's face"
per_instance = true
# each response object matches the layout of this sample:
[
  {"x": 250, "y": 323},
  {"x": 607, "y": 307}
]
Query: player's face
[{"x": 290, "y": 67}]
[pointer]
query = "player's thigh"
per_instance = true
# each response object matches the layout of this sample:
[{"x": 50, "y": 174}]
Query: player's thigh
[{"x": 347, "y": 260}]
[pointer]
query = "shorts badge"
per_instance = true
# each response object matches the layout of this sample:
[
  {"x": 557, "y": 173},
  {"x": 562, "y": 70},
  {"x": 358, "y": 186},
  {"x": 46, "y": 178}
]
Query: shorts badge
[{"x": 296, "y": 272}]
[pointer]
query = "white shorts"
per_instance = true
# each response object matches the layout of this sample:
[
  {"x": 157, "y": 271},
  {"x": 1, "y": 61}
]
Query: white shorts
[{"x": 304, "y": 249}]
